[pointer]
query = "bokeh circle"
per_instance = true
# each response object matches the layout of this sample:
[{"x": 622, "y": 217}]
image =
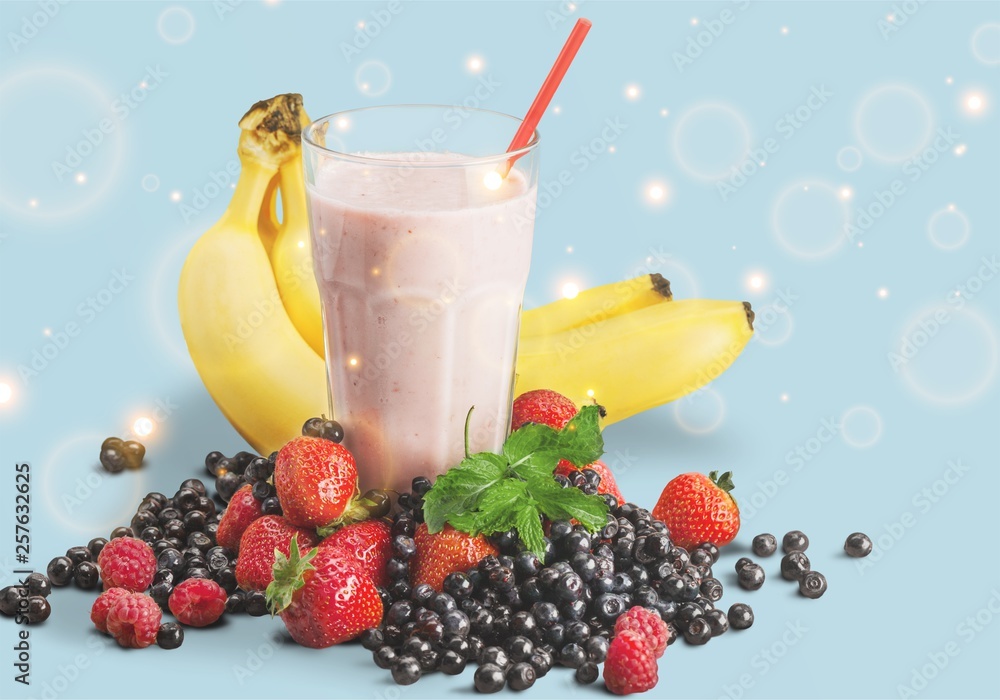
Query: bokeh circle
[
  {"x": 860, "y": 427},
  {"x": 150, "y": 183},
  {"x": 175, "y": 25},
  {"x": 772, "y": 326},
  {"x": 710, "y": 139},
  {"x": 700, "y": 412},
  {"x": 986, "y": 43},
  {"x": 849, "y": 158},
  {"x": 373, "y": 78},
  {"x": 893, "y": 123},
  {"x": 948, "y": 228},
  {"x": 808, "y": 219}
]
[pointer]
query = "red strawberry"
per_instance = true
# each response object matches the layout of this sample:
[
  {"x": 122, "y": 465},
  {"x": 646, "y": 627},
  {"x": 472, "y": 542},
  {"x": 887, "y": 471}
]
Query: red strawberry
[
  {"x": 102, "y": 606},
  {"x": 369, "y": 543},
  {"x": 261, "y": 538},
  {"x": 242, "y": 510},
  {"x": 607, "y": 485},
  {"x": 698, "y": 508},
  {"x": 197, "y": 602},
  {"x": 631, "y": 665},
  {"x": 315, "y": 480},
  {"x": 542, "y": 406},
  {"x": 648, "y": 625},
  {"x": 323, "y": 598},
  {"x": 444, "y": 552},
  {"x": 134, "y": 620},
  {"x": 127, "y": 562}
]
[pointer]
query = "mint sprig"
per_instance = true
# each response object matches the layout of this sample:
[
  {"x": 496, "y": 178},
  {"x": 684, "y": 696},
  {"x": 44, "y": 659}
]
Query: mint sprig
[{"x": 487, "y": 493}]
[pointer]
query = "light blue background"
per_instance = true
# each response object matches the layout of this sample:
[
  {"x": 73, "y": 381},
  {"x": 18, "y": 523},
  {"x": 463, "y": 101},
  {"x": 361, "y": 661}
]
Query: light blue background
[{"x": 827, "y": 353}]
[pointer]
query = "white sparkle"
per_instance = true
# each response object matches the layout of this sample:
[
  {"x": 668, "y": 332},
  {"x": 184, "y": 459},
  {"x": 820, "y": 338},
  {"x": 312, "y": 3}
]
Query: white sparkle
[
  {"x": 343, "y": 123},
  {"x": 142, "y": 427},
  {"x": 569, "y": 249},
  {"x": 784, "y": 30},
  {"x": 784, "y": 397},
  {"x": 302, "y": 244},
  {"x": 960, "y": 149},
  {"x": 32, "y": 203},
  {"x": 694, "y": 21},
  {"x": 846, "y": 193},
  {"x": 611, "y": 149},
  {"x": 756, "y": 282},
  {"x": 361, "y": 24},
  {"x": 557, "y": 109},
  {"x": 664, "y": 112},
  {"x": 47, "y": 331},
  {"x": 81, "y": 178},
  {"x": 974, "y": 102},
  {"x": 6, "y": 393},
  {"x": 175, "y": 196},
  {"x": 883, "y": 293},
  {"x": 492, "y": 180},
  {"x": 570, "y": 290},
  {"x": 632, "y": 92},
  {"x": 353, "y": 362},
  {"x": 949, "y": 80},
  {"x": 475, "y": 64}
]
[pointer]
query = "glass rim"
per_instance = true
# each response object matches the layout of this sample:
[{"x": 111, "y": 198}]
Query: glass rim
[{"x": 308, "y": 140}]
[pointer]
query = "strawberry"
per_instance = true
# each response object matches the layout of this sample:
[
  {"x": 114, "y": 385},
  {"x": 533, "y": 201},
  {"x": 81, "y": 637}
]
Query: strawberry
[
  {"x": 242, "y": 510},
  {"x": 369, "y": 543},
  {"x": 698, "y": 508},
  {"x": 322, "y": 597},
  {"x": 607, "y": 485},
  {"x": 542, "y": 406},
  {"x": 316, "y": 480},
  {"x": 444, "y": 552},
  {"x": 261, "y": 538}
]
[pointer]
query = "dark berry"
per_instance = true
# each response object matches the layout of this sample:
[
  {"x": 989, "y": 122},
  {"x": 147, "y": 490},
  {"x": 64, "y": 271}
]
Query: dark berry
[
  {"x": 11, "y": 599},
  {"x": 60, "y": 571},
  {"x": 86, "y": 575},
  {"x": 741, "y": 562},
  {"x": 96, "y": 545},
  {"x": 212, "y": 460},
  {"x": 586, "y": 673},
  {"x": 794, "y": 565},
  {"x": 420, "y": 485},
  {"x": 812, "y": 584},
  {"x": 521, "y": 676},
  {"x": 597, "y": 649},
  {"x": 717, "y": 622},
  {"x": 271, "y": 506},
  {"x": 227, "y": 484},
  {"x": 751, "y": 577},
  {"x": 170, "y": 635},
  {"x": 121, "y": 532},
  {"x": 609, "y": 607},
  {"x": 494, "y": 655},
  {"x": 711, "y": 588},
  {"x": 794, "y": 541},
  {"x": 384, "y": 657},
  {"x": 698, "y": 631},
  {"x": 406, "y": 670},
  {"x": 489, "y": 678},
  {"x": 764, "y": 545},
  {"x": 38, "y": 609},
  {"x": 160, "y": 592},
  {"x": 519, "y": 648},
  {"x": 236, "y": 603},
  {"x": 572, "y": 655},
  {"x": 256, "y": 604},
  {"x": 79, "y": 554},
  {"x": 740, "y": 616},
  {"x": 312, "y": 426},
  {"x": 858, "y": 544}
]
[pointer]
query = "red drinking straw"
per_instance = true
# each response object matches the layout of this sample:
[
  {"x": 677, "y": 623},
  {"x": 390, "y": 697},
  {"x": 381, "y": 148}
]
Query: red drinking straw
[{"x": 548, "y": 89}]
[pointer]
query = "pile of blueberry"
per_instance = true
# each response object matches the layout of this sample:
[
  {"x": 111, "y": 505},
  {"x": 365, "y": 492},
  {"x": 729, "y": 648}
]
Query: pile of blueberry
[
  {"x": 517, "y": 615},
  {"x": 244, "y": 468}
]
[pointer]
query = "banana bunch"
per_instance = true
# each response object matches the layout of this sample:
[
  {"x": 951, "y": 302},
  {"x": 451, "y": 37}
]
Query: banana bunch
[{"x": 250, "y": 311}]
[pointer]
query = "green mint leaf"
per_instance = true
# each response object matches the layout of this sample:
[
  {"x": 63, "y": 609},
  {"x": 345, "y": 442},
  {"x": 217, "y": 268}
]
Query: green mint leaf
[
  {"x": 498, "y": 508},
  {"x": 537, "y": 465},
  {"x": 529, "y": 527},
  {"x": 528, "y": 439},
  {"x": 580, "y": 442},
  {"x": 559, "y": 503},
  {"x": 459, "y": 489}
]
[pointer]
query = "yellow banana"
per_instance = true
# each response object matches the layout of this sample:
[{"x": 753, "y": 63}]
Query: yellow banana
[
  {"x": 291, "y": 258},
  {"x": 596, "y": 305},
  {"x": 638, "y": 360},
  {"x": 258, "y": 369},
  {"x": 267, "y": 220}
]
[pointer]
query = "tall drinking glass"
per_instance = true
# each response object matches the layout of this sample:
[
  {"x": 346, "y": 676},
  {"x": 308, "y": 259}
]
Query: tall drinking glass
[{"x": 421, "y": 249}]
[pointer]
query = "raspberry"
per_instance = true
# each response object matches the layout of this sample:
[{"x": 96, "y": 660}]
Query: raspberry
[
  {"x": 134, "y": 620},
  {"x": 197, "y": 602},
  {"x": 630, "y": 666},
  {"x": 648, "y": 625},
  {"x": 127, "y": 562},
  {"x": 103, "y": 604},
  {"x": 242, "y": 510}
]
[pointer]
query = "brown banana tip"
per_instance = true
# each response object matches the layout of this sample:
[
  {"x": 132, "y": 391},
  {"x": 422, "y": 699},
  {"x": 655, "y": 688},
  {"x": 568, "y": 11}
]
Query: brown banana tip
[
  {"x": 280, "y": 113},
  {"x": 661, "y": 285},
  {"x": 750, "y": 313}
]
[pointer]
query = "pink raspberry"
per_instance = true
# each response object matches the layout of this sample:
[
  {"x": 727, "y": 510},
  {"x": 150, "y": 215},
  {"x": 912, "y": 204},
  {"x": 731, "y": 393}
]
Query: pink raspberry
[
  {"x": 630, "y": 666},
  {"x": 648, "y": 625},
  {"x": 127, "y": 562},
  {"x": 102, "y": 606},
  {"x": 197, "y": 602},
  {"x": 134, "y": 620}
]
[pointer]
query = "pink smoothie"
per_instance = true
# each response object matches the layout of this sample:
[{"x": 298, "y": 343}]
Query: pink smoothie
[{"x": 421, "y": 272}]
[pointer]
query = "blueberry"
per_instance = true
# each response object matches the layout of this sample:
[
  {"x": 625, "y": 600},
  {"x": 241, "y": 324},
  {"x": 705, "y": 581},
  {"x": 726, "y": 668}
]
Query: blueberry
[
  {"x": 494, "y": 655},
  {"x": 741, "y": 562},
  {"x": 812, "y": 584},
  {"x": 452, "y": 663},
  {"x": 170, "y": 635},
  {"x": 422, "y": 594},
  {"x": 698, "y": 631},
  {"x": 609, "y": 607},
  {"x": 794, "y": 565},
  {"x": 711, "y": 588},
  {"x": 160, "y": 593},
  {"x": 403, "y": 547},
  {"x": 521, "y": 676},
  {"x": 384, "y": 657},
  {"x": 688, "y": 612},
  {"x": 586, "y": 673},
  {"x": 764, "y": 545},
  {"x": 442, "y": 603},
  {"x": 572, "y": 655},
  {"x": 569, "y": 587},
  {"x": 740, "y": 616},
  {"x": 489, "y": 678},
  {"x": 700, "y": 557},
  {"x": 97, "y": 544},
  {"x": 455, "y": 623},
  {"x": 794, "y": 541},
  {"x": 86, "y": 575},
  {"x": 545, "y": 614},
  {"x": 751, "y": 577},
  {"x": 236, "y": 603},
  {"x": 372, "y": 638},
  {"x": 597, "y": 649},
  {"x": 858, "y": 544},
  {"x": 718, "y": 623},
  {"x": 256, "y": 604},
  {"x": 79, "y": 554},
  {"x": 406, "y": 670},
  {"x": 60, "y": 571}
]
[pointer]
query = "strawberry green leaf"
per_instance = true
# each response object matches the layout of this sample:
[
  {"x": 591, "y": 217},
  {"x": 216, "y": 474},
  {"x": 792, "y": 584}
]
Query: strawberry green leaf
[
  {"x": 580, "y": 442},
  {"x": 529, "y": 528},
  {"x": 559, "y": 503},
  {"x": 724, "y": 482},
  {"x": 289, "y": 575},
  {"x": 459, "y": 489}
]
